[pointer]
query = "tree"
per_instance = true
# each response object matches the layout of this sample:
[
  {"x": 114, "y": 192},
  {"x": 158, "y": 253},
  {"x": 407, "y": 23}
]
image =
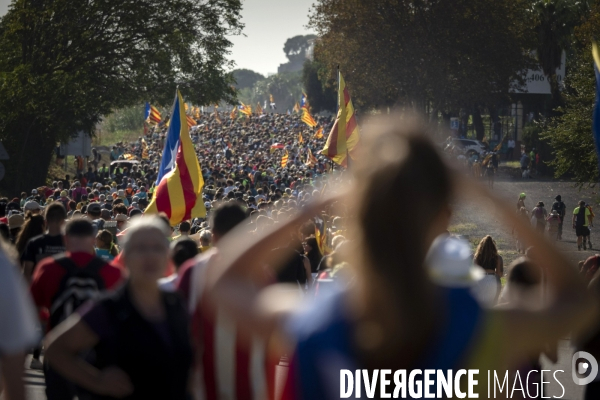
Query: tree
[
  {"x": 321, "y": 95},
  {"x": 246, "y": 78},
  {"x": 570, "y": 132},
  {"x": 286, "y": 89},
  {"x": 555, "y": 21},
  {"x": 64, "y": 64},
  {"x": 295, "y": 50},
  {"x": 451, "y": 55}
]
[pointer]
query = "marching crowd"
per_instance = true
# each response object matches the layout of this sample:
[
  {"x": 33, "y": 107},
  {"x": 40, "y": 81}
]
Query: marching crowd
[{"x": 295, "y": 261}]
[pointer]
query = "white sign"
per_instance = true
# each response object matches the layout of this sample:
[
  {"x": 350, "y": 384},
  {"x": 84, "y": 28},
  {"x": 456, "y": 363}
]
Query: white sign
[{"x": 537, "y": 83}]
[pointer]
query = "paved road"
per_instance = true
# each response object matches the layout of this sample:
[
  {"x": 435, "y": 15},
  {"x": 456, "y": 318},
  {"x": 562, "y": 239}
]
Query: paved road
[{"x": 477, "y": 221}]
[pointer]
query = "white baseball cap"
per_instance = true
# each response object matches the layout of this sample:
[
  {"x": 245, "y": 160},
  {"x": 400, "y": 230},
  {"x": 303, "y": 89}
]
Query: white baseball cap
[{"x": 450, "y": 263}]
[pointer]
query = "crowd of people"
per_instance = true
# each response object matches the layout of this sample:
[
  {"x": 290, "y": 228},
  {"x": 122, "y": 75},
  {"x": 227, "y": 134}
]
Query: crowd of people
[{"x": 305, "y": 262}]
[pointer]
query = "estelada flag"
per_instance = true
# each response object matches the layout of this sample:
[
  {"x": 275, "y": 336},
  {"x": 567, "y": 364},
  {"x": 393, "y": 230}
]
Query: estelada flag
[
  {"x": 179, "y": 191},
  {"x": 300, "y": 138},
  {"x": 307, "y": 118},
  {"x": 144, "y": 149},
  {"x": 311, "y": 160},
  {"x": 259, "y": 109},
  {"x": 284, "y": 159},
  {"x": 344, "y": 136},
  {"x": 190, "y": 121},
  {"x": 152, "y": 116},
  {"x": 319, "y": 133}
]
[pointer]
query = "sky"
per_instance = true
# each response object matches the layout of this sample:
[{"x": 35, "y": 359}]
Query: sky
[{"x": 269, "y": 23}]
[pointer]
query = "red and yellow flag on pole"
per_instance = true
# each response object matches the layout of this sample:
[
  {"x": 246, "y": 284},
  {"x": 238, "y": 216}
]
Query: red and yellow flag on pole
[
  {"x": 344, "y": 136},
  {"x": 296, "y": 107},
  {"x": 311, "y": 160},
  {"x": 307, "y": 118},
  {"x": 179, "y": 192},
  {"x": 259, "y": 109},
  {"x": 300, "y": 138},
  {"x": 319, "y": 133},
  {"x": 234, "y": 113},
  {"x": 284, "y": 159},
  {"x": 217, "y": 118}
]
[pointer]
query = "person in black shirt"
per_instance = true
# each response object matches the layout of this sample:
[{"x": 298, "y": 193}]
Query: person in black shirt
[
  {"x": 561, "y": 209},
  {"x": 48, "y": 244}
]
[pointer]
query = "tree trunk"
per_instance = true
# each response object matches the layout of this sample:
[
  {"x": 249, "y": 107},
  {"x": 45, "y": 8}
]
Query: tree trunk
[
  {"x": 478, "y": 123},
  {"x": 30, "y": 154}
]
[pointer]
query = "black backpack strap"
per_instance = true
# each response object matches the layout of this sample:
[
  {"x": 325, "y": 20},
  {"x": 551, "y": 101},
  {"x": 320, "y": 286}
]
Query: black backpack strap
[
  {"x": 65, "y": 262},
  {"x": 94, "y": 266}
]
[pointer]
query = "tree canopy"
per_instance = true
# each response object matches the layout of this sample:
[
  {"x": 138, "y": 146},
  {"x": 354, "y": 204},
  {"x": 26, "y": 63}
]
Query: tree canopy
[
  {"x": 64, "y": 64},
  {"x": 454, "y": 54},
  {"x": 246, "y": 78},
  {"x": 570, "y": 132},
  {"x": 295, "y": 50}
]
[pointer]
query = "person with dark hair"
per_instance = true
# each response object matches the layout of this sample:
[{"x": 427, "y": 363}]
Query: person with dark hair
[
  {"x": 64, "y": 282},
  {"x": 182, "y": 249},
  {"x": 401, "y": 313},
  {"x": 561, "y": 209},
  {"x": 32, "y": 228},
  {"x": 486, "y": 256},
  {"x": 47, "y": 244},
  {"x": 313, "y": 253},
  {"x": 582, "y": 217}
]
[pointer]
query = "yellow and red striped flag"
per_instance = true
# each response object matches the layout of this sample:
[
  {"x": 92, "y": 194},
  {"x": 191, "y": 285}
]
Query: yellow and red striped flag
[
  {"x": 284, "y": 159},
  {"x": 144, "y": 149},
  {"x": 322, "y": 240},
  {"x": 271, "y": 98},
  {"x": 234, "y": 113},
  {"x": 217, "y": 118},
  {"x": 259, "y": 109},
  {"x": 311, "y": 160},
  {"x": 190, "y": 121},
  {"x": 344, "y": 136},
  {"x": 319, "y": 133},
  {"x": 307, "y": 118},
  {"x": 179, "y": 191},
  {"x": 153, "y": 116},
  {"x": 296, "y": 107},
  {"x": 300, "y": 138},
  {"x": 197, "y": 112}
]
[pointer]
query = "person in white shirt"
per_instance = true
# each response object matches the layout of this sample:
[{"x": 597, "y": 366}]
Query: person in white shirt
[
  {"x": 230, "y": 186},
  {"x": 19, "y": 327}
]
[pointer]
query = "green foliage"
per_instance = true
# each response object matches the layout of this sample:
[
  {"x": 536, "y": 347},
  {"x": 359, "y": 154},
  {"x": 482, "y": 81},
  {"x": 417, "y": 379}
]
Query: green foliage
[
  {"x": 295, "y": 50},
  {"x": 246, "y": 78},
  {"x": 451, "y": 54},
  {"x": 125, "y": 119},
  {"x": 570, "y": 132},
  {"x": 554, "y": 22},
  {"x": 321, "y": 95},
  {"x": 285, "y": 87},
  {"x": 64, "y": 64}
]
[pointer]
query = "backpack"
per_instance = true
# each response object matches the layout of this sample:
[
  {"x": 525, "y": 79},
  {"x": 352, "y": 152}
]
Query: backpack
[
  {"x": 559, "y": 206},
  {"x": 580, "y": 219},
  {"x": 79, "y": 285}
]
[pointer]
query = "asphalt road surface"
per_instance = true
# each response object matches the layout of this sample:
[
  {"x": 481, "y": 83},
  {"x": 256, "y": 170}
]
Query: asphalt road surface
[{"x": 476, "y": 221}]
